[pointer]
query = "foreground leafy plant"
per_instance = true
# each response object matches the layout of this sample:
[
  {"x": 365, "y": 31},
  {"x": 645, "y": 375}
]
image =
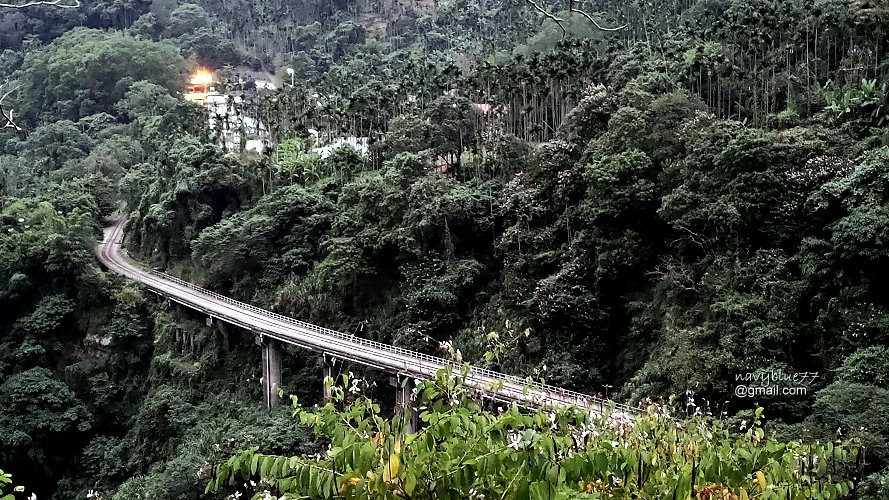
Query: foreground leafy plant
[
  {"x": 5, "y": 482},
  {"x": 462, "y": 451}
]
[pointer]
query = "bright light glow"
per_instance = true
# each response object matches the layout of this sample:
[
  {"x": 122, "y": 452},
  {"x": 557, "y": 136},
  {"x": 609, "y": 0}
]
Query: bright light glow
[{"x": 202, "y": 77}]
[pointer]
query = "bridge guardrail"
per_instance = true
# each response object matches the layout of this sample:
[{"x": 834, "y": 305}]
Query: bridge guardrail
[{"x": 563, "y": 394}]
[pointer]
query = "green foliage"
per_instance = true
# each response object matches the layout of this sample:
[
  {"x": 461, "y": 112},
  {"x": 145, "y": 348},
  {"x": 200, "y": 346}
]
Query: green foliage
[
  {"x": 248, "y": 244},
  {"x": 296, "y": 165},
  {"x": 49, "y": 146},
  {"x": 89, "y": 71},
  {"x": 452, "y": 128},
  {"x": 187, "y": 18},
  {"x": 867, "y": 365},
  {"x": 37, "y": 411},
  {"x": 145, "y": 100},
  {"x": 550, "y": 33},
  {"x": 462, "y": 451},
  {"x": 876, "y": 486},
  {"x": 5, "y": 481},
  {"x": 858, "y": 408},
  {"x": 197, "y": 187},
  {"x": 864, "y": 106},
  {"x": 47, "y": 317},
  {"x": 655, "y": 210},
  {"x": 620, "y": 186},
  {"x": 388, "y": 223}
]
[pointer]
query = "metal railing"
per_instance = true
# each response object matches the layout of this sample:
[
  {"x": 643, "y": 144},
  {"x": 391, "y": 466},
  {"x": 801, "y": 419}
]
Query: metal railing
[
  {"x": 521, "y": 386},
  {"x": 548, "y": 391}
]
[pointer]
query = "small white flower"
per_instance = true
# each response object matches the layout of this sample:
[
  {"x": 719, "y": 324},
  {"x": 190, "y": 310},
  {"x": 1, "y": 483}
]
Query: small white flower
[
  {"x": 515, "y": 440},
  {"x": 354, "y": 389}
]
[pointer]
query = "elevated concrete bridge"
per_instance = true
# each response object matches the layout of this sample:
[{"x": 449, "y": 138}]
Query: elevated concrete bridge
[{"x": 271, "y": 329}]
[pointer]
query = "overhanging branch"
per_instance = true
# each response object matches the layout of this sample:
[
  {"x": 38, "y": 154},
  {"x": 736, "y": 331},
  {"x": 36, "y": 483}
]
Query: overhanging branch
[
  {"x": 572, "y": 9},
  {"x": 7, "y": 115},
  {"x": 61, "y": 4},
  {"x": 557, "y": 20}
]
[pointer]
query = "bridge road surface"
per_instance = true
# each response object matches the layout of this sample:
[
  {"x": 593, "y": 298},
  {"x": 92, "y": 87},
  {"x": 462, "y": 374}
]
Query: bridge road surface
[{"x": 498, "y": 386}]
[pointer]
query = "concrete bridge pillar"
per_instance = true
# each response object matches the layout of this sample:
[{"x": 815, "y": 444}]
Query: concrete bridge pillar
[
  {"x": 328, "y": 376},
  {"x": 405, "y": 405},
  {"x": 223, "y": 329},
  {"x": 271, "y": 369}
]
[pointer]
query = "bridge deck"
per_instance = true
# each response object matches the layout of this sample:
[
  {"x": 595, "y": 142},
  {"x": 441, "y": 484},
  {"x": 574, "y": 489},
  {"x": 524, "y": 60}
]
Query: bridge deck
[{"x": 499, "y": 386}]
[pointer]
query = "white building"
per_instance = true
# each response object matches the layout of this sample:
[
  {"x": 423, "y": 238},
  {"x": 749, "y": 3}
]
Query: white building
[
  {"x": 223, "y": 114},
  {"x": 360, "y": 144}
]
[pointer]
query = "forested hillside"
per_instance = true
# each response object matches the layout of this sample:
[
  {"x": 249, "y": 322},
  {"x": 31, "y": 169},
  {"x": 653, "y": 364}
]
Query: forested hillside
[{"x": 649, "y": 201}]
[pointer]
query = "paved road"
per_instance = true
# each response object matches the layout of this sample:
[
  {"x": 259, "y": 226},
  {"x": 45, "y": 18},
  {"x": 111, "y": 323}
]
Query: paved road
[{"x": 501, "y": 387}]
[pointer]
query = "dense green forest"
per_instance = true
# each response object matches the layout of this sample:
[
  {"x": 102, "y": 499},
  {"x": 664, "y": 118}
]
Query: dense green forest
[{"x": 649, "y": 201}]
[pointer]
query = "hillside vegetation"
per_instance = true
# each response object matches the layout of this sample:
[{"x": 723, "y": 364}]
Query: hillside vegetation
[{"x": 688, "y": 197}]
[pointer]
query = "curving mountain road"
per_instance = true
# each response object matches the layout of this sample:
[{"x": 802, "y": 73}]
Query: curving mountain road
[{"x": 501, "y": 387}]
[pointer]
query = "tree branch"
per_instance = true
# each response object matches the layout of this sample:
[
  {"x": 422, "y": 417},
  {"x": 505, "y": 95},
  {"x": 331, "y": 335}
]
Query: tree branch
[
  {"x": 571, "y": 9},
  {"x": 62, "y": 4},
  {"x": 701, "y": 241},
  {"x": 8, "y": 116},
  {"x": 557, "y": 20},
  {"x": 674, "y": 272}
]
